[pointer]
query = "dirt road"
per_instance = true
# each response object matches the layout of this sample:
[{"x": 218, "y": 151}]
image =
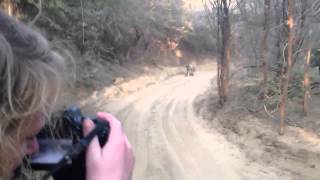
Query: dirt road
[{"x": 171, "y": 143}]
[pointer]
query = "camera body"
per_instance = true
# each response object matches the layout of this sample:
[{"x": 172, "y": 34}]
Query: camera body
[
  {"x": 74, "y": 118},
  {"x": 52, "y": 150}
]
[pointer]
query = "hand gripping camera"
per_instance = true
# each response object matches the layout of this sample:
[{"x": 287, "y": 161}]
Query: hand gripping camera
[{"x": 64, "y": 158}]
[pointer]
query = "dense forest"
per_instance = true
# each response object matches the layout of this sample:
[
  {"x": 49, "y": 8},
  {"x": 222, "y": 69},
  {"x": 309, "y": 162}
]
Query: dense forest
[{"x": 275, "y": 42}]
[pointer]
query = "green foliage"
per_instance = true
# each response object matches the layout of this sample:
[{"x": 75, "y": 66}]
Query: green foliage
[
  {"x": 115, "y": 30},
  {"x": 295, "y": 90},
  {"x": 315, "y": 57},
  {"x": 200, "y": 40},
  {"x": 108, "y": 28}
]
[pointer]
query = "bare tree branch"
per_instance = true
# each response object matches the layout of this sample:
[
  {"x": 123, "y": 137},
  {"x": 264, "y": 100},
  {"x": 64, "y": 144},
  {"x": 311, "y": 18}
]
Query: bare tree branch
[{"x": 38, "y": 15}]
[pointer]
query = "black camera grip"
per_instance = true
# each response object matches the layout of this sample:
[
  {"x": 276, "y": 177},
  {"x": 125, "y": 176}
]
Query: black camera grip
[{"x": 73, "y": 153}]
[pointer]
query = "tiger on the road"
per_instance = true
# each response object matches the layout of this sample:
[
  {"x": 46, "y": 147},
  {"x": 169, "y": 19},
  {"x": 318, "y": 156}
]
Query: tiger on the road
[{"x": 190, "y": 69}]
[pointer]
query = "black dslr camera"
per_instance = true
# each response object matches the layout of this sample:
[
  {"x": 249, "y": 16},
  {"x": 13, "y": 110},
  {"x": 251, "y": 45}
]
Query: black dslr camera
[{"x": 64, "y": 157}]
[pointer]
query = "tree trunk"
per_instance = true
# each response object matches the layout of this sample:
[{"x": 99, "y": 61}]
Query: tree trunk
[
  {"x": 281, "y": 32},
  {"x": 306, "y": 82},
  {"x": 287, "y": 70},
  {"x": 300, "y": 34},
  {"x": 264, "y": 48},
  {"x": 225, "y": 53},
  {"x": 219, "y": 48}
]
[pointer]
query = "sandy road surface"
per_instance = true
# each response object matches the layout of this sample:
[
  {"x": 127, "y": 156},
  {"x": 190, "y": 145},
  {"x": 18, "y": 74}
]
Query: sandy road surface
[{"x": 169, "y": 141}]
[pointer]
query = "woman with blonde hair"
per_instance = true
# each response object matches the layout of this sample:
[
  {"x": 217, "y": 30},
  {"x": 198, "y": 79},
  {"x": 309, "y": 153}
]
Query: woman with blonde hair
[{"x": 29, "y": 86}]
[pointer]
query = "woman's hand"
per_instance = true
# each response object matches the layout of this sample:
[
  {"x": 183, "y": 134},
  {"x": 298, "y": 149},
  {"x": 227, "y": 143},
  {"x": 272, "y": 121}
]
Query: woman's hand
[{"x": 113, "y": 161}]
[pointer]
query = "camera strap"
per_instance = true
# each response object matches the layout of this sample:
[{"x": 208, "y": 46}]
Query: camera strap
[{"x": 77, "y": 149}]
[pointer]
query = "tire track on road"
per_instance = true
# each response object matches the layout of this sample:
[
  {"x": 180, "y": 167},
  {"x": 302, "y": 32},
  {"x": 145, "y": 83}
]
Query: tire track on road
[{"x": 168, "y": 139}]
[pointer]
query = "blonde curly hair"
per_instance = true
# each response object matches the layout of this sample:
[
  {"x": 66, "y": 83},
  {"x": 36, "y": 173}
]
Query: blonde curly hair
[{"x": 30, "y": 79}]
